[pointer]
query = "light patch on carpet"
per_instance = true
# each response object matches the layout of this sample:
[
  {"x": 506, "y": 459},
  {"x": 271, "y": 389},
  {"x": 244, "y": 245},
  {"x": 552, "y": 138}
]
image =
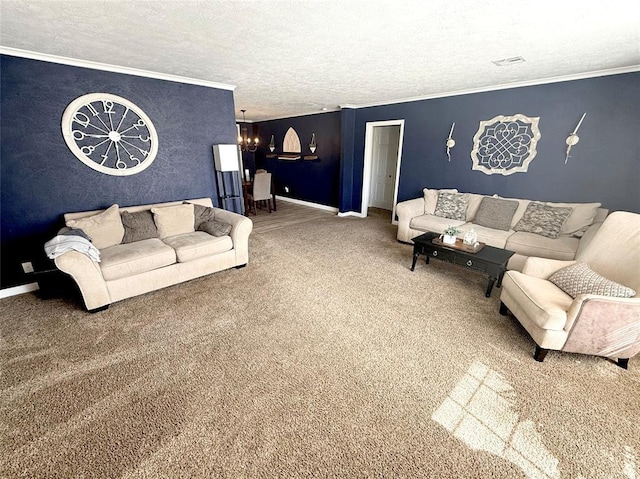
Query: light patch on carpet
[{"x": 479, "y": 411}]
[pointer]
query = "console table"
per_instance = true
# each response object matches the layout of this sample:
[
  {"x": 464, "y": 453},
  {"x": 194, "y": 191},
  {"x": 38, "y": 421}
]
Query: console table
[{"x": 489, "y": 260}]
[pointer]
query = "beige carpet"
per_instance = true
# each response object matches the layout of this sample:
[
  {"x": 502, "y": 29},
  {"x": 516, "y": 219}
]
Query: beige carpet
[{"x": 325, "y": 357}]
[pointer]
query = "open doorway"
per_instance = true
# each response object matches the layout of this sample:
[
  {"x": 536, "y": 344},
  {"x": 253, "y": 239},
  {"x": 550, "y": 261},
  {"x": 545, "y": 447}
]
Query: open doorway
[{"x": 382, "y": 158}]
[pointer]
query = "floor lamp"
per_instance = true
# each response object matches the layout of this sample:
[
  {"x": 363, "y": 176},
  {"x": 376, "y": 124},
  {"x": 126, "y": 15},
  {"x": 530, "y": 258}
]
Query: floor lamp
[{"x": 226, "y": 160}]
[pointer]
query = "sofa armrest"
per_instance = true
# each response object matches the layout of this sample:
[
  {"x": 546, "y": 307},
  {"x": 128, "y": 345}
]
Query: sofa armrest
[
  {"x": 87, "y": 275},
  {"x": 241, "y": 228},
  {"x": 587, "y": 237},
  {"x": 543, "y": 268},
  {"x": 406, "y": 211},
  {"x": 603, "y": 326}
]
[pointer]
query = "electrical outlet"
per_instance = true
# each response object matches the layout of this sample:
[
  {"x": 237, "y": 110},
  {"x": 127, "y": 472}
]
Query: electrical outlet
[
  {"x": 27, "y": 267},
  {"x": 286, "y": 189}
]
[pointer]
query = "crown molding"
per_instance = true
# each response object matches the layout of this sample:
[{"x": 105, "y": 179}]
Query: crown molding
[
  {"x": 330, "y": 110},
  {"x": 506, "y": 86},
  {"x": 16, "y": 52}
]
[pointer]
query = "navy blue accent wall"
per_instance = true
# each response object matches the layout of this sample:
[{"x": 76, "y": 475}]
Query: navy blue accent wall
[
  {"x": 347, "y": 170},
  {"x": 604, "y": 166},
  {"x": 316, "y": 181},
  {"x": 42, "y": 179}
]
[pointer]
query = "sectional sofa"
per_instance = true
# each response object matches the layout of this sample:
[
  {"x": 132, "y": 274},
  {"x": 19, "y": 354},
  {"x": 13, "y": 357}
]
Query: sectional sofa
[{"x": 527, "y": 227}]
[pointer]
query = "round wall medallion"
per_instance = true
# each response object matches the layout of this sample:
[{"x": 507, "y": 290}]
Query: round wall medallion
[{"x": 109, "y": 134}]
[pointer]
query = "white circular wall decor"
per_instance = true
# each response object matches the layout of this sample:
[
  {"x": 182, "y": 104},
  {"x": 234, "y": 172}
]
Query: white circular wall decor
[{"x": 109, "y": 134}]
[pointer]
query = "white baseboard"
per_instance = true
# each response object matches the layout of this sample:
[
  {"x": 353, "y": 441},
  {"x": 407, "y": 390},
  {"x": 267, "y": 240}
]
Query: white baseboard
[
  {"x": 16, "y": 290},
  {"x": 351, "y": 213},
  {"x": 307, "y": 203}
]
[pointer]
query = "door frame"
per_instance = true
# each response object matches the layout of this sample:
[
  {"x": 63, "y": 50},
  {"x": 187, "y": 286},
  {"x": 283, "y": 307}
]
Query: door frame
[{"x": 368, "y": 161}]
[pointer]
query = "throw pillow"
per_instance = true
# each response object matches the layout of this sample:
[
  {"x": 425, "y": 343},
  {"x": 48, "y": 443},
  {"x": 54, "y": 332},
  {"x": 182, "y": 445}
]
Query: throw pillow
[
  {"x": 138, "y": 226},
  {"x": 452, "y": 206},
  {"x": 431, "y": 199},
  {"x": 495, "y": 213},
  {"x": 543, "y": 219},
  {"x": 105, "y": 229},
  {"x": 215, "y": 228},
  {"x": 581, "y": 217},
  {"x": 579, "y": 278},
  {"x": 201, "y": 214},
  {"x": 174, "y": 220}
]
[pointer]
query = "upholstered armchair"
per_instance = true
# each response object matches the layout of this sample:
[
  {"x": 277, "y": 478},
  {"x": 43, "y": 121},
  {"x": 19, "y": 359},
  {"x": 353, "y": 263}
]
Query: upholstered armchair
[{"x": 595, "y": 324}]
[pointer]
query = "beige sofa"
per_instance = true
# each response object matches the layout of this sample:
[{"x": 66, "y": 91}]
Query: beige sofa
[
  {"x": 130, "y": 269},
  {"x": 417, "y": 216}
]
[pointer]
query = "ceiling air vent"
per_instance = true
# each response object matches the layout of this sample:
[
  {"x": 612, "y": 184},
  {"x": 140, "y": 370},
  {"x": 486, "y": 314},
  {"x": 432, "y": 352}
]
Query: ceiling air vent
[{"x": 508, "y": 61}]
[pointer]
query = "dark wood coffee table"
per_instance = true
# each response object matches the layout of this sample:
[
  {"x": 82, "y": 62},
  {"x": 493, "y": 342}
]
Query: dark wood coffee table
[{"x": 489, "y": 260}]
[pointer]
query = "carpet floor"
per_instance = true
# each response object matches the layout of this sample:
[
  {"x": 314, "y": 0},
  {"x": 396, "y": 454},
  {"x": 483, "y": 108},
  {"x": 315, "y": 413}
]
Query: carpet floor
[{"x": 324, "y": 357}]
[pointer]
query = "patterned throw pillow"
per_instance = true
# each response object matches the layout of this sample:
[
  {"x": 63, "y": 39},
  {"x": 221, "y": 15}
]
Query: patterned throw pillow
[
  {"x": 580, "y": 279},
  {"x": 452, "y": 205},
  {"x": 138, "y": 226},
  {"x": 215, "y": 228},
  {"x": 543, "y": 219}
]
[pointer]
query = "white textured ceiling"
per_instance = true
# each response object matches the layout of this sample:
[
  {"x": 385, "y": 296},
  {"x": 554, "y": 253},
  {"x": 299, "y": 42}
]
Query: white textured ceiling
[{"x": 297, "y": 57}]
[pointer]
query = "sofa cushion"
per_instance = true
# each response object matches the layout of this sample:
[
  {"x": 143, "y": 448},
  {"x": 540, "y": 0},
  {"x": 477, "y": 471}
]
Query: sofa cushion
[
  {"x": 431, "y": 199},
  {"x": 105, "y": 229},
  {"x": 215, "y": 228},
  {"x": 581, "y": 217},
  {"x": 543, "y": 219},
  {"x": 432, "y": 223},
  {"x": 191, "y": 246},
  {"x": 544, "y": 303},
  {"x": 530, "y": 244},
  {"x": 452, "y": 205},
  {"x": 174, "y": 220},
  {"x": 138, "y": 226},
  {"x": 490, "y": 236},
  {"x": 579, "y": 278},
  {"x": 125, "y": 260},
  {"x": 496, "y": 213},
  {"x": 202, "y": 214},
  {"x": 473, "y": 205}
]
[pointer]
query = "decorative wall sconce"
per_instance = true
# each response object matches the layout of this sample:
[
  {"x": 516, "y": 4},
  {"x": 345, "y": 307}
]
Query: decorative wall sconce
[
  {"x": 272, "y": 144},
  {"x": 246, "y": 143},
  {"x": 573, "y": 138},
  {"x": 450, "y": 141},
  {"x": 313, "y": 145}
]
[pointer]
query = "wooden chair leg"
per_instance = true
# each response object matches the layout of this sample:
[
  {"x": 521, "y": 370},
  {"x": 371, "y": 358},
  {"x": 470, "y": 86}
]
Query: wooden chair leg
[
  {"x": 503, "y": 309},
  {"x": 540, "y": 353}
]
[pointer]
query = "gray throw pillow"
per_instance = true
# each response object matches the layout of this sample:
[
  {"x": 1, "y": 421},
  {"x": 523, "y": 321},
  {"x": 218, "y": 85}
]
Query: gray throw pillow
[
  {"x": 452, "y": 205},
  {"x": 138, "y": 226},
  {"x": 215, "y": 228},
  {"x": 543, "y": 219},
  {"x": 202, "y": 214},
  {"x": 495, "y": 213},
  {"x": 579, "y": 278}
]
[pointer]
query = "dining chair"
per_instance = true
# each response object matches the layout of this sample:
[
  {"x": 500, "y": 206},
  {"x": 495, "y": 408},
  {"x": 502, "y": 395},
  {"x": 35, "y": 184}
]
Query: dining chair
[{"x": 261, "y": 191}]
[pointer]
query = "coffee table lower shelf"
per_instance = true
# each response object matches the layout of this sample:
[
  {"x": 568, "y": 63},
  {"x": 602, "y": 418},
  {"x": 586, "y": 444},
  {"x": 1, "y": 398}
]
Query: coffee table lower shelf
[{"x": 489, "y": 260}]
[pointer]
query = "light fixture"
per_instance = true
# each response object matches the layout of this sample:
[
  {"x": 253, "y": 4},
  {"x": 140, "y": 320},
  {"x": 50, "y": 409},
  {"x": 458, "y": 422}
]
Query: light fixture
[
  {"x": 246, "y": 143},
  {"x": 313, "y": 145},
  {"x": 272, "y": 144},
  {"x": 573, "y": 138},
  {"x": 450, "y": 142}
]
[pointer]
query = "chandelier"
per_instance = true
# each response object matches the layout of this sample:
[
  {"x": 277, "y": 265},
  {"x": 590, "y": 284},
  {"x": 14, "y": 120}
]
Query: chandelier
[{"x": 246, "y": 143}]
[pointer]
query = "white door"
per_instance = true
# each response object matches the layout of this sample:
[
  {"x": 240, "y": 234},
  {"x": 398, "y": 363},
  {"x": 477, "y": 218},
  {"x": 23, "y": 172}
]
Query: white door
[{"x": 383, "y": 166}]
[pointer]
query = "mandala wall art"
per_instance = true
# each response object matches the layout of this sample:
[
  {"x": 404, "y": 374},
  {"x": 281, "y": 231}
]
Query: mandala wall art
[{"x": 505, "y": 144}]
